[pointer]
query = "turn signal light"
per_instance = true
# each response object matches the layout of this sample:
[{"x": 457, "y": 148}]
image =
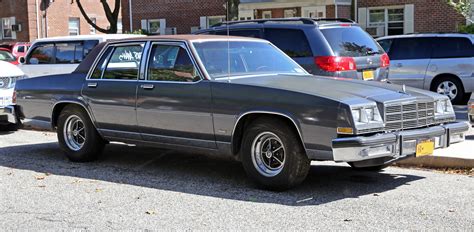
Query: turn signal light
[
  {"x": 385, "y": 60},
  {"x": 335, "y": 63},
  {"x": 345, "y": 130}
]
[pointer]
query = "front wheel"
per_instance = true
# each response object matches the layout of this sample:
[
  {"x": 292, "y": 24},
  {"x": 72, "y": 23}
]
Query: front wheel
[
  {"x": 450, "y": 87},
  {"x": 272, "y": 155},
  {"x": 77, "y": 136}
]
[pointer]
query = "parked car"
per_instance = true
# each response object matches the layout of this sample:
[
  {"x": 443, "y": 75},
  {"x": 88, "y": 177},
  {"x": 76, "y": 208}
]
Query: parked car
[
  {"x": 8, "y": 77},
  {"x": 20, "y": 49},
  {"x": 442, "y": 63},
  {"x": 7, "y": 56},
  {"x": 182, "y": 92},
  {"x": 61, "y": 55},
  {"x": 470, "y": 113},
  {"x": 327, "y": 47}
]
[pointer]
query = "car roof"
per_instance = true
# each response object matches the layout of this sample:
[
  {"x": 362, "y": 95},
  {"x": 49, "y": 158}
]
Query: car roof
[
  {"x": 101, "y": 37},
  {"x": 192, "y": 38},
  {"x": 423, "y": 35}
]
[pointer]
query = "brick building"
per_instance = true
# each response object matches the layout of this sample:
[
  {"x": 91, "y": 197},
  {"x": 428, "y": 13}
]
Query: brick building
[
  {"x": 27, "y": 20},
  {"x": 171, "y": 16}
]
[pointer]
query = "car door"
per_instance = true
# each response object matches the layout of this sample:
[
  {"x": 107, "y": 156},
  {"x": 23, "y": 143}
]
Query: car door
[
  {"x": 174, "y": 102},
  {"x": 110, "y": 90},
  {"x": 39, "y": 60},
  {"x": 409, "y": 60}
]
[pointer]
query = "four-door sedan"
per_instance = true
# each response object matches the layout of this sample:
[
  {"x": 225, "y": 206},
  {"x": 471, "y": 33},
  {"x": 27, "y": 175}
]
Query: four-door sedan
[{"x": 237, "y": 96}]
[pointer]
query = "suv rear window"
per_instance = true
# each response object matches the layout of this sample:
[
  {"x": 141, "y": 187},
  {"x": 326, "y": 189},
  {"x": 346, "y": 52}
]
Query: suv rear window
[
  {"x": 351, "y": 41},
  {"x": 292, "y": 42},
  {"x": 453, "y": 47}
]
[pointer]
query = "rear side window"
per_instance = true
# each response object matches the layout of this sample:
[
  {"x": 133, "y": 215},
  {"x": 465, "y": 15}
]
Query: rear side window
[
  {"x": 453, "y": 48},
  {"x": 89, "y": 45},
  {"x": 124, "y": 63},
  {"x": 42, "y": 54},
  {"x": 410, "y": 48},
  {"x": 244, "y": 33},
  {"x": 69, "y": 53},
  {"x": 292, "y": 42},
  {"x": 101, "y": 65},
  {"x": 351, "y": 42}
]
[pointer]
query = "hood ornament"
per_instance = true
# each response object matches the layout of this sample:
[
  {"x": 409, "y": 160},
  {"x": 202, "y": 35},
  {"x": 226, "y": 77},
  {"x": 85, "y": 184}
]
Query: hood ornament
[{"x": 404, "y": 89}]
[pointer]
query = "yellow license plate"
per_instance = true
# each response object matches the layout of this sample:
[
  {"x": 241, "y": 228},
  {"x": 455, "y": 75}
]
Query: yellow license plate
[
  {"x": 424, "y": 148},
  {"x": 367, "y": 75}
]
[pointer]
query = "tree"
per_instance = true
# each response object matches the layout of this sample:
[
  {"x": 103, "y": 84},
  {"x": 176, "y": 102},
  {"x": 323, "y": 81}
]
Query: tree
[
  {"x": 463, "y": 7},
  {"x": 112, "y": 16},
  {"x": 233, "y": 9}
]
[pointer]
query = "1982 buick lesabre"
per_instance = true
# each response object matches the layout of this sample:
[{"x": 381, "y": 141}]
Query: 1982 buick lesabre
[{"x": 236, "y": 96}]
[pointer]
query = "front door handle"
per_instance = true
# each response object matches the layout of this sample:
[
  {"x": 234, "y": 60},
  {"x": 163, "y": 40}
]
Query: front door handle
[
  {"x": 399, "y": 65},
  {"x": 92, "y": 84},
  {"x": 147, "y": 86}
]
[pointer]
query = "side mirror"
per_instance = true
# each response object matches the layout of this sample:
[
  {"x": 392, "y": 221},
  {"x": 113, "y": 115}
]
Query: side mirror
[{"x": 22, "y": 60}]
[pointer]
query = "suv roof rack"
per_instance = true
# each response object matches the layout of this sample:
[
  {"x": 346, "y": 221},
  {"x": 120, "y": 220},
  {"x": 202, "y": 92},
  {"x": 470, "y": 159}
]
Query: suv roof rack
[{"x": 297, "y": 19}]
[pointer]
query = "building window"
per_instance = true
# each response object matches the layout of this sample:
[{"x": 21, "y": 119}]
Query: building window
[
  {"x": 154, "y": 26},
  {"x": 289, "y": 13},
  {"x": 7, "y": 28},
  {"x": 119, "y": 26},
  {"x": 74, "y": 26},
  {"x": 91, "y": 28},
  {"x": 212, "y": 20},
  {"x": 388, "y": 21},
  {"x": 267, "y": 14}
]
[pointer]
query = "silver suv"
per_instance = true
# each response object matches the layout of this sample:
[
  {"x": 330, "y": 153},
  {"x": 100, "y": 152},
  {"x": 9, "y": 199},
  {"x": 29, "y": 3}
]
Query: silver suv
[{"x": 442, "y": 63}]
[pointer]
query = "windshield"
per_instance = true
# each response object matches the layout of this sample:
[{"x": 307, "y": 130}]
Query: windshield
[
  {"x": 351, "y": 41},
  {"x": 223, "y": 58},
  {"x": 6, "y": 56}
]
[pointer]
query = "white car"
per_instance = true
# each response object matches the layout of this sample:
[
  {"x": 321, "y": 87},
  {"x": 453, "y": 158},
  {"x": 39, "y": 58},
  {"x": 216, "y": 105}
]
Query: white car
[
  {"x": 61, "y": 55},
  {"x": 8, "y": 77}
]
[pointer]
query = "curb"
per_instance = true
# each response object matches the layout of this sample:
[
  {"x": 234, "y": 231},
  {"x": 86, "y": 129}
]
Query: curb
[{"x": 437, "y": 162}]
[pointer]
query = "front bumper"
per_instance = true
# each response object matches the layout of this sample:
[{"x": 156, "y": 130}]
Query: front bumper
[
  {"x": 8, "y": 115},
  {"x": 396, "y": 145}
]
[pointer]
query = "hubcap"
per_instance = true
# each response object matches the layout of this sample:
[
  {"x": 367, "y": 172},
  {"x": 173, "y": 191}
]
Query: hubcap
[
  {"x": 74, "y": 133},
  {"x": 268, "y": 154},
  {"x": 447, "y": 88}
]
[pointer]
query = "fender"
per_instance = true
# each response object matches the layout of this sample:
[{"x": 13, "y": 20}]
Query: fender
[{"x": 79, "y": 101}]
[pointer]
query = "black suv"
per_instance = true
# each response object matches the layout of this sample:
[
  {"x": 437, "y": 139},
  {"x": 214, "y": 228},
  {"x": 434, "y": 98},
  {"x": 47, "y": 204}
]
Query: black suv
[{"x": 328, "y": 47}]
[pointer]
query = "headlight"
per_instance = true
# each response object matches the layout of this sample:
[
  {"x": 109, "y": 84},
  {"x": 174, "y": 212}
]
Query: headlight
[
  {"x": 366, "y": 115},
  {"x": 443, "y": 107}
]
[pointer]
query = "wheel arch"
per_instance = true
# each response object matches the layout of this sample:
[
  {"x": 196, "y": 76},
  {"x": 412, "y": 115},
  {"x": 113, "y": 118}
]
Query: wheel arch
[
  {"x": 441, "y": 75},
  {"x": 246, "y": 118},
  {"x": 60, "y": 105}
]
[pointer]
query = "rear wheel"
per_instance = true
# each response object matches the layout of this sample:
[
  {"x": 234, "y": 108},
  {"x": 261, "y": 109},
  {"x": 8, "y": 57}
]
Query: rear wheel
[
  {"x": 450, "y": 87},
  {"x": 272, "y": 155},
  {"x": 77, "y": 136}
]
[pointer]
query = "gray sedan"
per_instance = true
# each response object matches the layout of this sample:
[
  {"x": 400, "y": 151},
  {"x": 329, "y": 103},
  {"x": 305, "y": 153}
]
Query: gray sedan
[{"x": 234, "y": 96}]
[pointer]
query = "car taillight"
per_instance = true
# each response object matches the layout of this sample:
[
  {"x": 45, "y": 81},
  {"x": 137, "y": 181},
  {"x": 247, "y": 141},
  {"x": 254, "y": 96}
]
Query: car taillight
[
  {"x": 14, "y": 97},
  {"x": 472, "y": 105},
  {"x": 385, "y": 60},
  {"x": 335, "y": 63}
]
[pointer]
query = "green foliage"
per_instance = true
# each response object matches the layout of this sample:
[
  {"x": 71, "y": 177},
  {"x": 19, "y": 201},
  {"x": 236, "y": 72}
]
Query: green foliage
[
  {"x": 137, "y": 32},
  {"x": 463, "y": 7},
  {"x": 467, "y": 29}
]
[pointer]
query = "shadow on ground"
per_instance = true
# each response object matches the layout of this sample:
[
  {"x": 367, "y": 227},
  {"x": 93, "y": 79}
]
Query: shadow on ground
[{"x": 199, "y": 174}]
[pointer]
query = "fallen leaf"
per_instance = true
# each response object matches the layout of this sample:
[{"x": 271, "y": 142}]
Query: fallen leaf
[
  {"x": 41, "y": 186},
  {"x": 9, "y": 174},
  {"x": 451, "y": 210},
  {"x": 47, "y": 174},
  {"x": 150, "y": 212},
  {"x": 39, "y": 177},
  {"x": 98, "y": 190},
  {"x": 347, "y": 220},
  {"x": 376, "y": 194}
]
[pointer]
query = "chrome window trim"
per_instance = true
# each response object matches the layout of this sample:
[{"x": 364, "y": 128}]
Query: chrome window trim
[
  {"x": 180, "y": 44},
  {"x": 115, "y": 45}
]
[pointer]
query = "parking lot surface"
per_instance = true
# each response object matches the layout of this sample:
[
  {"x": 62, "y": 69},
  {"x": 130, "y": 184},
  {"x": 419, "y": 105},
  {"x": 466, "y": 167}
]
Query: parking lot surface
[{"x": 148, "y": 188}]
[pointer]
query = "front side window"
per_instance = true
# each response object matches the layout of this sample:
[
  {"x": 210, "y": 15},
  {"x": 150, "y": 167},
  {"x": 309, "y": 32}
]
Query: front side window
[
  {"x": 410, "y": 48},
  {"x": 171, "y": 63},
  {"x": 292, "y": 42},
  {"x": 42, "y": 54},
  {"x": 232, "y": 58},
  {"x": 124, "y": 63},
  {"x": 385, "y": 44}
]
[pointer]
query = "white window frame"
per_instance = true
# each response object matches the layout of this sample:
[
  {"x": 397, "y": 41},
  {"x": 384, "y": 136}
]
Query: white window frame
[
  {"x": 148, "y": 26},
  {"x": 386, "y": 19},
  {"x": 221, "y": 18},
  {"x": 266, "y": 13},
  {"x": 287, "y": 12},
  {"x": 91, "y": 28},
  {"x": 78, "y": 26},
  {"x": 10, "y": 23}
]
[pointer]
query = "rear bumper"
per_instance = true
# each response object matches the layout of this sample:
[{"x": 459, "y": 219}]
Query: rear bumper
[
  {"x": 8, "y": 115},
  {"x": 396, "y": 145}
]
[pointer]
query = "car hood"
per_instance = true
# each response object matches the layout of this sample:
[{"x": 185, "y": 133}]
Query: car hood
[
  {"x": 344, "y": 90},
  {"x": 9, "y": 70}
]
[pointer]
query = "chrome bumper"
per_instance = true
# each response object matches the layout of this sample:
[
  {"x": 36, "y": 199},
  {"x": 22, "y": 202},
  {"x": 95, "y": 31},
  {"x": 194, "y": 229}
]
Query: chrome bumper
[
  {"x": 7, "y": 115},
  {"x": 396, "y": 145}
]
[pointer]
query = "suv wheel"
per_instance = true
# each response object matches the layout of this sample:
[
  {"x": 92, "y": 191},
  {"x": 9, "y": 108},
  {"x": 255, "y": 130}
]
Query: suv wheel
[
  {"x": 77, "y": 135},
  {"x": 450, "y": 87},
  {"x": 272, "y": 156}
]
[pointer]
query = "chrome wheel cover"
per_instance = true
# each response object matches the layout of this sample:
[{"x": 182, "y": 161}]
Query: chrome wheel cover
[
  {"x": 74, "y": 133},
  {"x": 268, "y": 154},
  {"x": 447, "y": 88}
]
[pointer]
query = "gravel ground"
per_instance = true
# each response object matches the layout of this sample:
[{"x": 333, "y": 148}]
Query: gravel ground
[{"x": 147, "y": 188}]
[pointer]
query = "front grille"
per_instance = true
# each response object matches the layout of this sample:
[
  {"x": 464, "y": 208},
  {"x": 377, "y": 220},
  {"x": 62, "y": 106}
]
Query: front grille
[
  {"x": 402, "y": 116},
  {"x": 7, "y": 82}
]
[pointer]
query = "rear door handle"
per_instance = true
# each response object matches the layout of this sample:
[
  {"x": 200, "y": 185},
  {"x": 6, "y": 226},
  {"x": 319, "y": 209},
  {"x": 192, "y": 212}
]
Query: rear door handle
[
  {"x": 147, "y": 86},
  {"x": 92, "y": 84}
]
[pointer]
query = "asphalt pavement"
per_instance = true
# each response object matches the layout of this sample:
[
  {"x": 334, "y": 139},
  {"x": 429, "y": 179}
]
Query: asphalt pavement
[{"x": 147, "y": 188}]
